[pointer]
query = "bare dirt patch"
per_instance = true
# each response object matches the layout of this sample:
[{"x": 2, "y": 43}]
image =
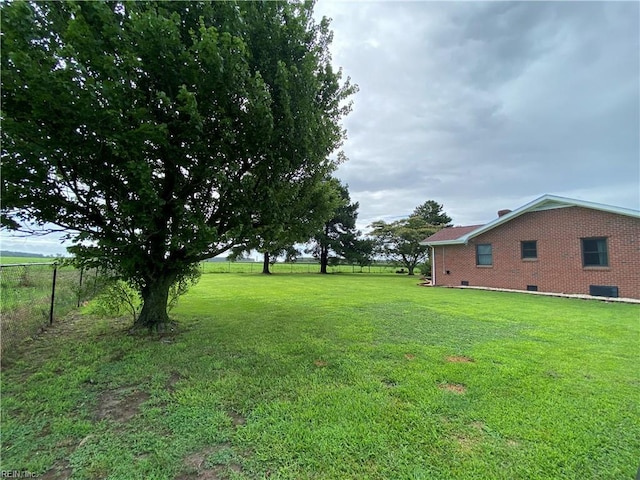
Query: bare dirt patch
[
  {"x": 174, "y": 378},
  {"x": 120, "y": 405},
  {"x": 468, "y": 441},
  {"x": 215, "y": 474},
  {"x": 453, "y": 387},
  {"x": 236, "y": 419},
  {"x": 200, "y": 468},
  {"x": 480, "y": 426},
  {"x": 465, "y": 444},
  {"x": 389, "y": 382},
  {"x": 320, "y": 363},
  {"x": 459, "y": 359},
  {"x": 60, "y": 471},
  {"x": 409, "y": 356},
  {"x": 196, "y": 460}
]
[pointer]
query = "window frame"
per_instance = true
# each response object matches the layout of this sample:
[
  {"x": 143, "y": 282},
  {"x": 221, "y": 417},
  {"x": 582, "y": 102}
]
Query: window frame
[
  {"x": 600, "y": 253},
  {"x": 523, "y": 250},
  {"x": 484, "y": 255}
]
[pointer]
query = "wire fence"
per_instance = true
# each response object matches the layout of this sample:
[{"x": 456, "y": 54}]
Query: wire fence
[
  {"x": 298, "y": 267},
  {"x": 33, "y": 295}
]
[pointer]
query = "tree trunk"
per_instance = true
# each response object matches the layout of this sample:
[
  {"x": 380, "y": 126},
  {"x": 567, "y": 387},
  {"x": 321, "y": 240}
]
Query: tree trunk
[
  {"x": 324, "y": 259},
  {"x": 155, "y": 295},
  {"x": 410, "y": 268},
  {"x": 265, "y": 264}
]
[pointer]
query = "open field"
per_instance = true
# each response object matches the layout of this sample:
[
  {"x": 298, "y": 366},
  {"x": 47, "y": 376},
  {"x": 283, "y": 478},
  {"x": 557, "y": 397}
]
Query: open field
[
  {"x": 19, "y": 260},
  {"x": 333, "y": 377}
]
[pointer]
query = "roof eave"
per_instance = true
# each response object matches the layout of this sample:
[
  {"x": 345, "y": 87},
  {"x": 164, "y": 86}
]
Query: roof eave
[
  {"x": 444, "y": 242},
  {"x": 554, "y": 201}
]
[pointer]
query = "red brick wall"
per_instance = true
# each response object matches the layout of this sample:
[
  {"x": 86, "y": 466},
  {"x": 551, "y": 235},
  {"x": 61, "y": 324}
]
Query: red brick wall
[{"x": 558, "y": 267}]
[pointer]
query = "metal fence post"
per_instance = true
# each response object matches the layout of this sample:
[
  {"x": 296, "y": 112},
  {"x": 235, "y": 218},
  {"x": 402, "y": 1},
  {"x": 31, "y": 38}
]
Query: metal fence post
[
  {"x": 53, "y": 292},
  {"x": 80, "y": 287}
]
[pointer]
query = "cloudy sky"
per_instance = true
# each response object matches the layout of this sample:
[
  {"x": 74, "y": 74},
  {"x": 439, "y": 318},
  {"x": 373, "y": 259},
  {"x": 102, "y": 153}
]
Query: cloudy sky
[
  {"x": 483, "y": 105},
  {"x": 488, "y": 105}
]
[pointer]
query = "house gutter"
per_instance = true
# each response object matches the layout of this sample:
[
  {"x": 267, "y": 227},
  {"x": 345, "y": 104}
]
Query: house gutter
[
  {"x": 433, "y": 265},
  {"x": 461, "y": 241}
]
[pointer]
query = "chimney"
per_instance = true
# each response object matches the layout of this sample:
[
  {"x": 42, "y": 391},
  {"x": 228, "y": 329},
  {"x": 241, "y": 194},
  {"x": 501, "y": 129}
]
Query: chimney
[{"x": 503, "y": 212}]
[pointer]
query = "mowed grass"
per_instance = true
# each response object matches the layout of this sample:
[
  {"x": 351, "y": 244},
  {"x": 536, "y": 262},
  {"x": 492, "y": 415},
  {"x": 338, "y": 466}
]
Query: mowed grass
[{"x": 334, "y": 377}]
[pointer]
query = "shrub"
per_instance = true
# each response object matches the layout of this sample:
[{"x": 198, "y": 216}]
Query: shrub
[
  {"x": 425, "y": 268},
  {"x": 118, "y": 298}
]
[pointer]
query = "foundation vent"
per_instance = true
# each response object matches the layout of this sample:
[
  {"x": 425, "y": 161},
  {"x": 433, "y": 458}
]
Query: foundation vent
[{"x": 603, "y": 291}]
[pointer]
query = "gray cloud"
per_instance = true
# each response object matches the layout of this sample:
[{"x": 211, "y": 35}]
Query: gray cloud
[{"x": 488, "y": 105}]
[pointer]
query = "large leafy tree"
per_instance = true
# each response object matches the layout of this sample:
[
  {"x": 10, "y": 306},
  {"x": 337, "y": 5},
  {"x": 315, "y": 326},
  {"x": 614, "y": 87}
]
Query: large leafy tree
[
  {"x": 399, "y": 241},
  {"x": 163, "y": 133},
  {"x": 338, "y": 238},
  {"x": 432, "y": 213}
]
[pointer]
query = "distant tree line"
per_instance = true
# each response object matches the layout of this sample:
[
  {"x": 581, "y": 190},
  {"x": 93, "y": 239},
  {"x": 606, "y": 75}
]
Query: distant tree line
[
  {"x": 9, "y": 253},
  {"x": 338, "y": 241}
]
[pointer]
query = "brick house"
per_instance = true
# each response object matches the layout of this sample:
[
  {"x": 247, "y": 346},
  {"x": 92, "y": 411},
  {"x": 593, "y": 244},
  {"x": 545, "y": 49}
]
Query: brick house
[{"x": 552, "y": 244}]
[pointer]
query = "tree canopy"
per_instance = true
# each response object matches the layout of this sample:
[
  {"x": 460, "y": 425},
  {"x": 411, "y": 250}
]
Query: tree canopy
[
  {"x": 338, "y": 237},
  {"x": 164, "y": 133},
  {"x": 399, "y": 241},
  {"x": 304, "y": 214},
  {"x": 432, "y": 213}
]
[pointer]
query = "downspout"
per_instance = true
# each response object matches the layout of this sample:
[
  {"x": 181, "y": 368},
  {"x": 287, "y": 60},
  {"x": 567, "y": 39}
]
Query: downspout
[
  {"x": 433, "y": 266},
  {"x": 444, "y": 267}
]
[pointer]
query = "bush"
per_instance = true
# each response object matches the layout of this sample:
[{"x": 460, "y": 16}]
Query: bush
[
  {"x": 117, "y": 299},
  {"x": 425, "y": 268},
  {"x": 121, "y": 298}
]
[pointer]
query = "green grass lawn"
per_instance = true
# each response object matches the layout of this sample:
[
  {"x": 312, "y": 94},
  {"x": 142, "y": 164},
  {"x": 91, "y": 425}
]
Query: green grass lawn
[{"x": 342, "y": 376}]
